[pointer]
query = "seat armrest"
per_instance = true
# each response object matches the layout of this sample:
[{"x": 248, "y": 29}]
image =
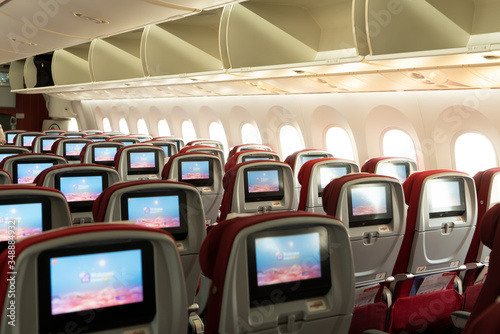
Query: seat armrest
[
  {"x": 374, "y": 331},
  {"x": 460, "y": 318}
]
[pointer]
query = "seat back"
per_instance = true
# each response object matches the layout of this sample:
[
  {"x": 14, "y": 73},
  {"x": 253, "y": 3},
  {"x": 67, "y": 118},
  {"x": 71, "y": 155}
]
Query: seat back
[
  {"x": 142, "y": 138},
  {"x": 70, "y": 148},
  {"x": 204, "y": 171},
  {"x": 140, "y": 162},
  {"x": 441, "y": 219},
  {"x": 373, "y": 209},
  {"x": 53, "y": 131},
  {"x": 126, "y": 140},
  {"x": 169, "y": 147},
  {"x": 25, "y": 139},
  {"x": 5, "y": 177},
  {"x": 96, "y": 137},
  {"x": 490, "y": 236},
  {"x": 297, "y": 159},
  {"x": 24, "y": 168},
  {"x": 9, "y": 150},
  {"x": 259, "y": 186},
  {"x": 290, "y": 270},
  {"x": 109, "y": 279},
  {"x": 400, "y": 168},
  {"x": 205, "y": 149},
  {"x": 313, "y": 177},
  {"x": 92, "y": 132},
  {"x": 173, "y": 206},
  {"x": 101, "y": 153},
  {"x": 73, "y": 134},
  {"x": 81, "y": 185},
  {"x": 43, "y": 144},
  {"x": 250, "y": 155},
  {"x": 29, "y": 210},
  {"x": 179, "y": 142},
  {"x": 247, "y": 147},
  {"x": 10, "y": 136},
  {"x": 206, "y": 142}
]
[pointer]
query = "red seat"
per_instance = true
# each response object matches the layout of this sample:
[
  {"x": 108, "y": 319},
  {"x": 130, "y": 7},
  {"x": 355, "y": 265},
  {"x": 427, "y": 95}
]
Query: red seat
[{"x": 249, "y": 155}]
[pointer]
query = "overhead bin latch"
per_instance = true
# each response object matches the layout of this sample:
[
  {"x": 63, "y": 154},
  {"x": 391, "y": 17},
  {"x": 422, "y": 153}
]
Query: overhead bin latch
[{"x": 369, "y": 238}]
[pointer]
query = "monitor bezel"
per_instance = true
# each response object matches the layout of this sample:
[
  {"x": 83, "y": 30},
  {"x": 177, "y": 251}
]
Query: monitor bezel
[
  {"x": 17, "y": 162},
  {"x": 143, "y": 170},
  {"x": 311, "y": 156},
  {"x": 370, "y": 219},
  {"x": 268, "y": 195},
  {"x": 453, "y": 211},
  {"x": 103, "y": 318},
  {"x": 10, "y": 138},
  {"x": 23, "y": 138},
  {"x": 82, "y": 206},
  {"x": 406, "y": 165},
  {"x": 72, "y": 157},
  {"x": 197, "y": 182},
  {"x": 289, "y": 291},
  {"x": 320, "y": 189},
  {"x": 179, "y": 233},
  {"x": 42, "y": 140},
  {"x": 30, "y": 199},
  {"x": 254, "y": 157},
  {"x": 101, "y": 162}
]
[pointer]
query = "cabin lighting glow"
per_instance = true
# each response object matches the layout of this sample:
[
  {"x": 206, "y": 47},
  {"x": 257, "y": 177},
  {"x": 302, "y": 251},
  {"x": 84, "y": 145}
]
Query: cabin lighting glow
[{"x": 90, "y": 18}]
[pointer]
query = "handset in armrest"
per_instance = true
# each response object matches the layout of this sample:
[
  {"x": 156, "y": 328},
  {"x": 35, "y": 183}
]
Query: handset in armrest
[{"x": 460, "y": 318}]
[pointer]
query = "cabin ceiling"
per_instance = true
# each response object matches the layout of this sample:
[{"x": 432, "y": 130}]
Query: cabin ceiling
[{"x": 119, "y": 49}]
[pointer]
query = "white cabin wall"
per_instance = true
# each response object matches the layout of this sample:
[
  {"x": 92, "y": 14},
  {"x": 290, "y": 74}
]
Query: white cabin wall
[{"x": 432, "y": 119}]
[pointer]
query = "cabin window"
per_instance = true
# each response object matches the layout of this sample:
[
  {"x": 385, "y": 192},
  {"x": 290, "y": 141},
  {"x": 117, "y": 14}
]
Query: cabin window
[
  {"x": 106, "y": 125},
  {"x": 339, "y": 143},
  {"x": 473, "y": 153},
  {"x": 290, "y": 140},
  {"x": 142, "y": 127},
  {"x": 163, "y": 128},
  {"x": 188, "y": 132},
  {"x": 216, "y": 132},
  {"x": 123, "y": 126},
  {"x": 250, "y": 134},
  {"x": 397, "y": 143},
  {"x": 73, "y": 125}
]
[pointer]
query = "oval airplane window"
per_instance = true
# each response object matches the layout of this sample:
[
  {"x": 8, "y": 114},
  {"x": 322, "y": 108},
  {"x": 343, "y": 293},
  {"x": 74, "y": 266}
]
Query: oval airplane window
[
  {"x": 106, "y": 125},
  {"x": 397, "y": 143},
  {"x": 163, "y": 128},
  {"x": 290, "y": 140},
  {"x": 250, "y": 134},
  {"x": 339, "y": 143},
  {"x": 142, "y": 127},
  {"x": 123, "y": 126},
  {"x": 473, "y": 153},
  {"x": 216, "y": 132},
  {"x": 188, "y": 132}
]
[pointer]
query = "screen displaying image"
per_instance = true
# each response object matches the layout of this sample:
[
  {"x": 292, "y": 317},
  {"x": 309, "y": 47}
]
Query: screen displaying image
[
  {"x": 94, "y": 281},
  {"x": 157, "y": 212},
  {"x": 5, "y": 155},
  {"x": 27, "y": 172},
  {"x": 245, "y": 159},
  {"x": 326, "y": 174},
  {"x": 81, "y": 188},
  {"x": 74, "y": 149},
  {"x": 47, "y": 144},
  {"x": 368, "y": 200},
  {"x": 445, "y": 195},
  {"x": 10, "y": 138},
  {"x": 399, "y": 171},
  {"x": 98, "y": 139},
  {"x": 142, "y": 160},
  {"x": 166, "y": 148},
  {"x": 263, "y": 181},
  {"x": 26, "y": 217},
  {"x": 74, "y": 136},
  {"x": 306, "y": 158},
  {"x": 28, "y": 140},
  {"x": 287, "y": 258},
  {"x": 195, "y": 170},
  {"x": 105, "y": 153}
]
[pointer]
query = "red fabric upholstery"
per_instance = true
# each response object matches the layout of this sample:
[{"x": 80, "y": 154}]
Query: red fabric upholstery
[
  {"x": 490, "y": 236},
  {"x": 101, "y": 203},
  {"x": 215, "y": 252},
  {"x": 486, "y": 323},
  {"x": 232, "y": 161},
  {"x": 292, "y": 158},
  {"x": 174, "y": 158},
  {"x": 228, "y": 184},
  {"x": 55, "y": 234},
  {"x": 370, "y": 166},
  {"x": 371, "y": 316},
  {"x": 332, "y": 191},
  {"x": 199, "y": 148},
  {"x": 470, "y": 296},
  {"x": 235, "y": 149},
  {"x": 121, "y": 150}
]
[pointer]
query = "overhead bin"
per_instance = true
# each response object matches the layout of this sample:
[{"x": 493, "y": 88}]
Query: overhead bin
[
  {"x": 187, "y": 45},
  {"x": 16, "y": 74},
  {"x": 71, "y": 65},
  {"x": 117, "y": 57},
  {"x": 407, "y": 28},
  {"x": 258, "y": 33}
]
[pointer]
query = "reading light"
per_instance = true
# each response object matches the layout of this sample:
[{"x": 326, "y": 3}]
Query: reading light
[
  {"x": 91, "y": 19},
  {"x": 491, "y": 57}
]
